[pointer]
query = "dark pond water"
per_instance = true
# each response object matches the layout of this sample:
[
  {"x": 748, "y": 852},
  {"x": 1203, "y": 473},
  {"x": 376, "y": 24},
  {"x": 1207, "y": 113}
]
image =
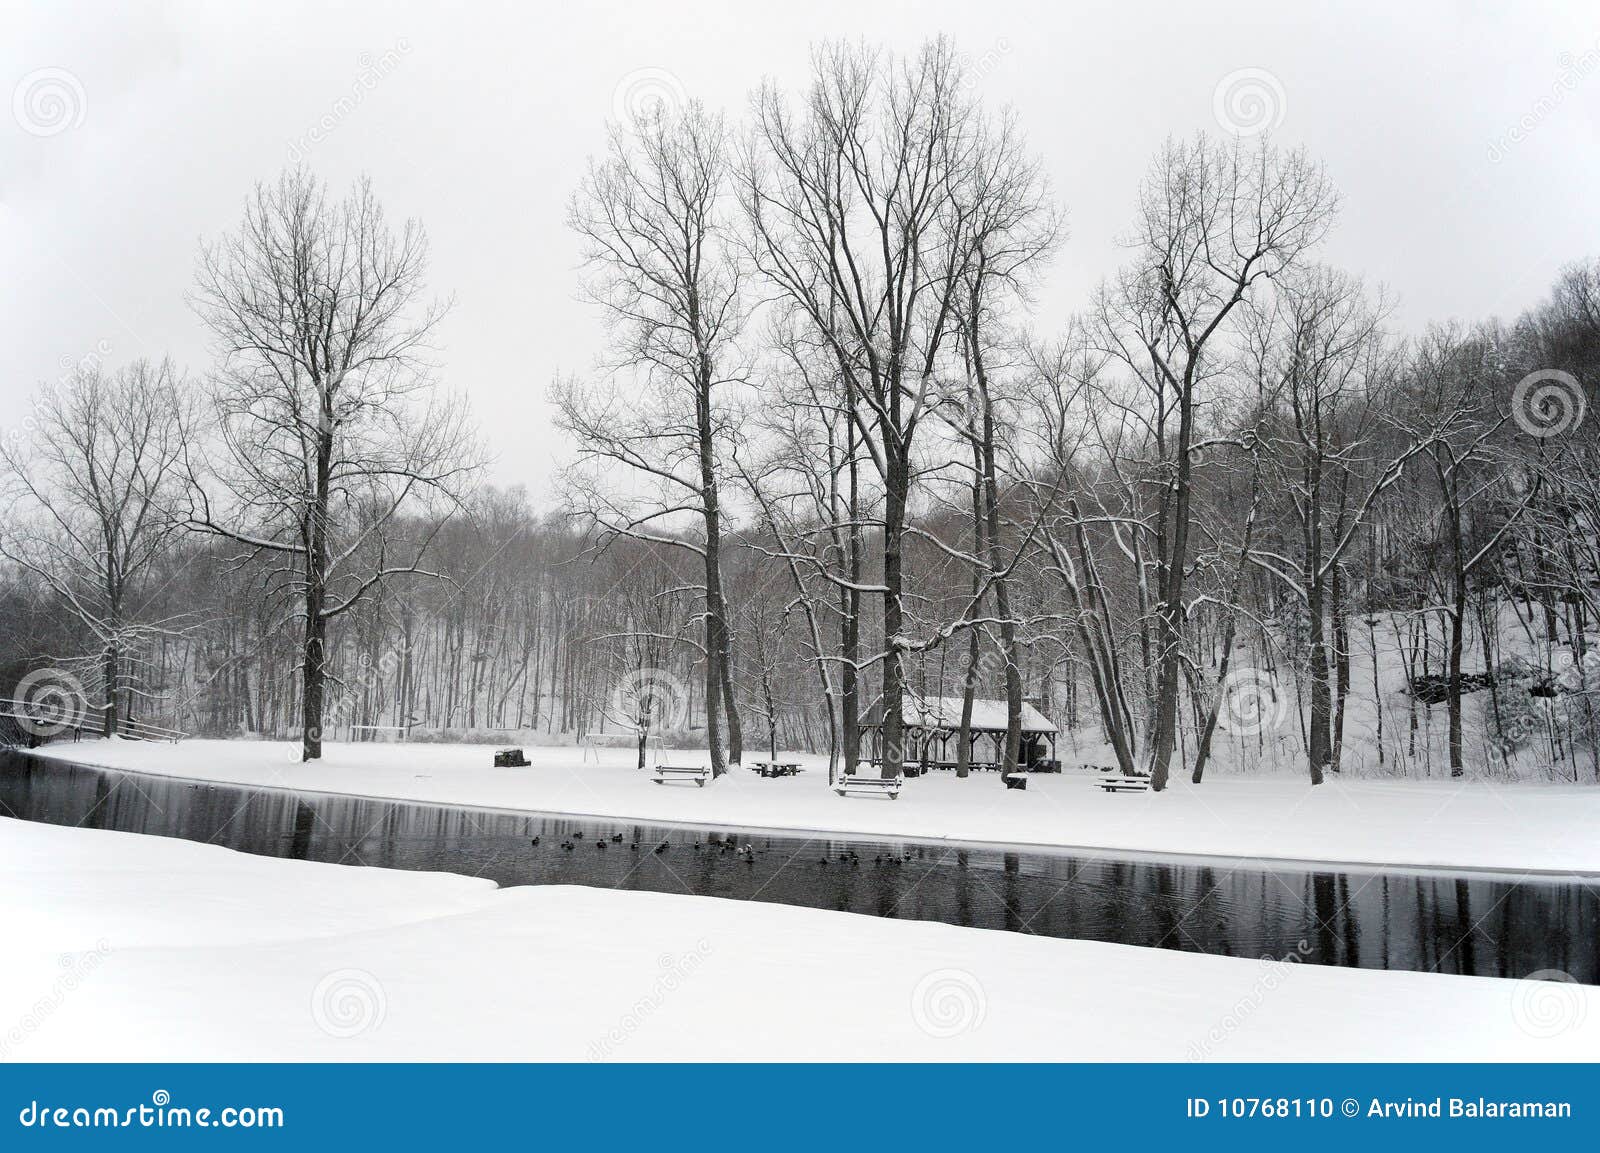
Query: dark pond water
[{"x": 1480, "y": 924}]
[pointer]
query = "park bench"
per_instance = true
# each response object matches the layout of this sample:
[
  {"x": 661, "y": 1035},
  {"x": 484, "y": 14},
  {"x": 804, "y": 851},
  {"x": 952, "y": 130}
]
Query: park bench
[
  {"x": 776, "y": 768},
  {"x": 887, "y": 786},
  {"x": 1015, "y": 781},
  {"x": 699, "y": 774},
  {"x": 1121, "y": 784},
  {"x": 510, "y": 759}
]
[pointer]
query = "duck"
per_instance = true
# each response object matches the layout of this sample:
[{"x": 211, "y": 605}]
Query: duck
[
  {"x": 662, "y": 847},
  {"x": 567, "y": 845},
  {"x": 616, "y": 838},
  {"x": 535, "y": 841},
  {"x": 599, "y": 844},
  {"x": 578, "y": 834}
]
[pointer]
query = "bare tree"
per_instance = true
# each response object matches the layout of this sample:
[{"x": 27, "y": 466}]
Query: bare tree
[
  {"x": 1013, "y": 227},
  {"x": 1327, "y": 374},
  {"x": 90, "y": 509},
  {"x": 327, "y": 425},
  {"x": 650, "y": 214},
  {"x": 1479, "y": 502},
  {"x": 1214, "y": 221},
  {"x": 855, "y": 218}
]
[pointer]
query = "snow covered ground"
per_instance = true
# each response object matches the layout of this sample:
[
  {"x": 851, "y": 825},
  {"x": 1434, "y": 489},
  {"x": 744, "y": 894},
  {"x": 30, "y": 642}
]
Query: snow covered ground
[
  {"x": 1511, "y": 827},
  {"x": 128, "y": 947}
]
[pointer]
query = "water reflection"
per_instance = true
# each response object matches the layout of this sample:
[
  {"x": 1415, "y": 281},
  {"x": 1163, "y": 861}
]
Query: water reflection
[{"x": 1439, "y": 922}]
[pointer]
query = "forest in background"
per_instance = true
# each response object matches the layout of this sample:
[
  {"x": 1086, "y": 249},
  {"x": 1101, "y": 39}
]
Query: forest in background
[{"x": 1226, "y": 513}]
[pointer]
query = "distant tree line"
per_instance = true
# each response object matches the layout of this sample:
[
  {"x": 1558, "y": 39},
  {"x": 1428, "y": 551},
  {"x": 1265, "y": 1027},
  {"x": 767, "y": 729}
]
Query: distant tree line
[{"x": 830, "y": 460}]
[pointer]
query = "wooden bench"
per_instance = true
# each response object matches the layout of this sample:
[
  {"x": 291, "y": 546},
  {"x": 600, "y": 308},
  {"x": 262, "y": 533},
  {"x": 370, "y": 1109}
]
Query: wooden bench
[
  {"x": 510, "y": 759},
  {"x": 1015, "y": 781},
  {"x": 699, "y": 774},
  {"x": 1120, "y": 784},
  {"x": 889, "y": 786},
  {"x": 777, "y": 768}
]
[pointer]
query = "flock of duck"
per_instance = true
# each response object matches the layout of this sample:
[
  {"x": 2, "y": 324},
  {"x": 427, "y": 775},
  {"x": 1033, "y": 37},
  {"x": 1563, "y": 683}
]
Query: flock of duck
[{"x": 849, "y": 858}]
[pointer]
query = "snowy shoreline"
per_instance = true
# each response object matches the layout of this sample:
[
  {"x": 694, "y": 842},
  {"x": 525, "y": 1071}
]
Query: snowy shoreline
[
  {"x": 1513, "y": 829},
  {"x": 1487, "y": 872},
  {"x": 145, "y": 948}
]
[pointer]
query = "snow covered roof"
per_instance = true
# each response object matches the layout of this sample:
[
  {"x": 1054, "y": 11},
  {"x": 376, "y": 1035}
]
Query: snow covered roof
[{"x": 945, "y": 713}]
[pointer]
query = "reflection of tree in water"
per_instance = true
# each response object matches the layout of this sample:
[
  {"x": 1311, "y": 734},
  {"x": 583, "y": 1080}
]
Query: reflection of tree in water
[{"x": 1450, "y": 923}]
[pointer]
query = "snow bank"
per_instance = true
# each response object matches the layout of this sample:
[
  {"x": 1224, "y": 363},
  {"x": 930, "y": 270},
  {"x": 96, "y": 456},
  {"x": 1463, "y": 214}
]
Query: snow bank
[
  {"x": 1509, "y": 827},
  {"x": 123, "y": 947}
]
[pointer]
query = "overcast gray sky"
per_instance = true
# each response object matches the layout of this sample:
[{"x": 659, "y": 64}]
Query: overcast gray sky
[{"x": 1462, "y": 135}]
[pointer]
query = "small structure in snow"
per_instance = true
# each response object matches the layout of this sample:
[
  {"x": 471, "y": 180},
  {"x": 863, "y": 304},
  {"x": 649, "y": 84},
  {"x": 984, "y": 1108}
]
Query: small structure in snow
[
  {"x": 933, "y": 725},
  {"x": 510, "y": 759}
]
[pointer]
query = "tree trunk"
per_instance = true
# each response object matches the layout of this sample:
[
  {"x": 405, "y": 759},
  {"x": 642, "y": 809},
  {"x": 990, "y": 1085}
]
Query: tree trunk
[
  {"x": 1202, "y": 750},
  {"x": 1002, "y": 600},
  {"x": 1457, "y": 760},
  {"x": 113, "y": 662},
  {"x": 969, "y": 685},
  {"x": 894, "y": 511},
  {"x": 717, "y": 696},
  {"x": 1169, "y": 618},
  {"x": 1457, "y": 625},
  {"x": 850, "y": 624},
  {"x": 1341, "y": 664},
  {"x": 1321, "y": 697},
  {"x": 313, "y": 680}
]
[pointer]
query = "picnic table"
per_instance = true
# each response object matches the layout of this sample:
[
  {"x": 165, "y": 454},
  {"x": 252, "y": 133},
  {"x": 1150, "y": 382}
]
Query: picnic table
[
  {"x": 777, "y": 768},
  {"x": 699, "y": 774}
]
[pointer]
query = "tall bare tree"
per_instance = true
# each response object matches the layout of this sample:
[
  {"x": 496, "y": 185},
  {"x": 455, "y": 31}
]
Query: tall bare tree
[
  {"x": 1013, "y": 227},
  {"x": 327, "y": 425},
  {"x": 651, "y": 216},
  {"x": 1214, "y": 221},
  {"x": 855, "y": 217},
  {"x": 90, "y": 509}
]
